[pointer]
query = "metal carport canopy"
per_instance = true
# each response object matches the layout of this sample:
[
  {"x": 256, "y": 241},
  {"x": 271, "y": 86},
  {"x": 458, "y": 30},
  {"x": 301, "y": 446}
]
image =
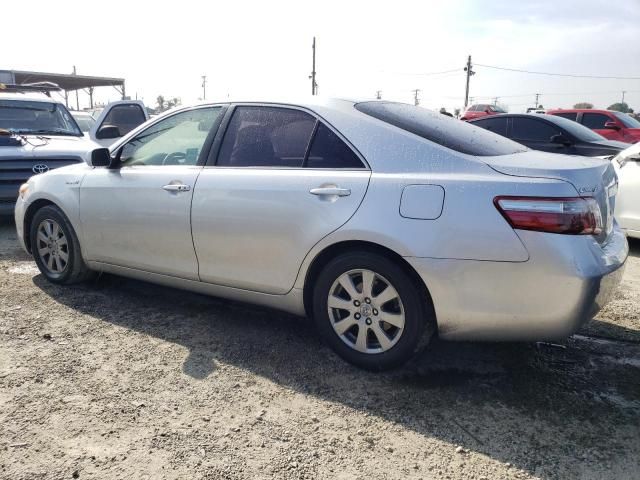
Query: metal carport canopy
[{"x": 67, "y": 81}]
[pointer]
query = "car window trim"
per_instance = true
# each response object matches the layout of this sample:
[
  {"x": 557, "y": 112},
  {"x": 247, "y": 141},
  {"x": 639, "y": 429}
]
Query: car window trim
[{"x": 212, "y": 159}]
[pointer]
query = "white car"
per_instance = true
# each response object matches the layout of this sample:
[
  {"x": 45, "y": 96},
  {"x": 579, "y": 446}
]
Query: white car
[{"x": 627, "y": 165}]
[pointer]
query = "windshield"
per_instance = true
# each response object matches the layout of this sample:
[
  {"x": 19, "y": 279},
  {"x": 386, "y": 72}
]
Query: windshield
[
  {"x": 446, "y": 131},
  {"x": 495, "y": 108},
  {"x": 42, "y": 118},
  {"x": 627, "y": 120},
  {"x": 577, "y": 130},
  {"x": 85, "y": 122}
]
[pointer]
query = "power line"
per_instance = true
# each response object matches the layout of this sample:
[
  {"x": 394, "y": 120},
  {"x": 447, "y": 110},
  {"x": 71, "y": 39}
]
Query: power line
[
  {"x": 573, "y": 75},
  {"x": 426, "y": 73}
]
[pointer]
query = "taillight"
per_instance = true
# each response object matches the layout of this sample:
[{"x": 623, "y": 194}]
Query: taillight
[{"x": 572, "y": 216}]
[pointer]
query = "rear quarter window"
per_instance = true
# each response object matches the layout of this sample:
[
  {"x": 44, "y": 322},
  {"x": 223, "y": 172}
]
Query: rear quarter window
[{"x": 449, "y": 132}]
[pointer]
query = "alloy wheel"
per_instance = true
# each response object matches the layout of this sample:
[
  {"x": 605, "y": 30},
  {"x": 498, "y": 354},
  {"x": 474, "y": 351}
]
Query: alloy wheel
[
  {"x": 52, "y": 246},
  {"x": 366, "y": 311}
]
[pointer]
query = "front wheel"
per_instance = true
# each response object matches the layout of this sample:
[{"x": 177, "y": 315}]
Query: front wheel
[
  {"x": 370, "y": 311},
  {"x": 55, "y": 247}
]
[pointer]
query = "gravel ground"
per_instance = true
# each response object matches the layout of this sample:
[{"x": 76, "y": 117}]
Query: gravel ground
[{"x": 120, "y": 379}]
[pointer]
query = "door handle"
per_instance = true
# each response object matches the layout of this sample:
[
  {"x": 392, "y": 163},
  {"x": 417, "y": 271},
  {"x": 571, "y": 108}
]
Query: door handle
[
  {"x": 340, "y": 192},
  {"x": 177, "y": 187}
]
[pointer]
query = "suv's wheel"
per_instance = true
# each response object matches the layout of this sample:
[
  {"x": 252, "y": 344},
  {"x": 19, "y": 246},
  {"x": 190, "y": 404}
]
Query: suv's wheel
[
  {"x": 370, "y": 311},
  {"x": 55, "y": 247}
]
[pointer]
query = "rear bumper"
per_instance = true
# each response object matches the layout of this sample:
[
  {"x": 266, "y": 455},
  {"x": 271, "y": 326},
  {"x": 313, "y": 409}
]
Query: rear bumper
[{"x": 566, "y": 281}]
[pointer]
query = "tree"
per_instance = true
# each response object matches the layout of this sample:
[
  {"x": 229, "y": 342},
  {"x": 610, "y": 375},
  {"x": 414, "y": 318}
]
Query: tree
[
  {"x": 583, "y": 105},
  {"x": 619, "y": 107},
  {"x": 456, "y": 113},
  {"x": 160, "y": 102}
]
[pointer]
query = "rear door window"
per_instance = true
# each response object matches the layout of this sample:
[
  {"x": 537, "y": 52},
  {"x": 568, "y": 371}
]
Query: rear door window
[
  {"x": 595, "y": 120},
  {"x": 496, "y": 125},
  {"x": 532, "y": 130},
  {"x": 449, "y": 132},
  {"x": 266, "y": 137},
  {"x": 329, "y": 151}
]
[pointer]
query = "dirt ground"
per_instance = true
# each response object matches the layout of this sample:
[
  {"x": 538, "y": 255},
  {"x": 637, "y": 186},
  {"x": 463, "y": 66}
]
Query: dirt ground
[{"x": 119, "y": 379}]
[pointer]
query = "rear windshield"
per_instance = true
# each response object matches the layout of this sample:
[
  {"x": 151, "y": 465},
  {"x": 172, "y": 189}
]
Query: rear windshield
[{"x": 441, "y": 129}]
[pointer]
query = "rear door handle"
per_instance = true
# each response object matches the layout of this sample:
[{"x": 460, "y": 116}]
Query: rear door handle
[
  {"x": 177, "y": 187},
  {"x": 340, "y": 192}
]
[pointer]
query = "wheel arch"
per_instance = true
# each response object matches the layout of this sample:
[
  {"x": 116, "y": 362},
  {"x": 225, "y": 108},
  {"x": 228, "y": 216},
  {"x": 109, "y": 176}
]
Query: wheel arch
[
  {"x": 28, "y": 218},
  {"x": 335, "y": 249}
]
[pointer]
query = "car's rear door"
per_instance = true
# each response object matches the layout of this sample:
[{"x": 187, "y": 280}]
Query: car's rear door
[
  {"x": 138, "y": 215},
  {"x": 279, "y": 180}
]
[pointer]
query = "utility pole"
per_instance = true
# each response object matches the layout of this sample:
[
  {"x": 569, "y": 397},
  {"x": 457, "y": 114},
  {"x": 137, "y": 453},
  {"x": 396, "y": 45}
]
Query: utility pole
[
  {"x": 537, "y": 97},
  {"x": 77, "y": 99},
  {"x": 204, "y": 87},
  {"x": 314, "y": 85},
  {"x": 623, "y": 92},
  {"x": 469, "y": 73},
  {"x": 495, "y": 100},
  {"x": 416, "y": 100},
  {"x": 379, "y": 94}
]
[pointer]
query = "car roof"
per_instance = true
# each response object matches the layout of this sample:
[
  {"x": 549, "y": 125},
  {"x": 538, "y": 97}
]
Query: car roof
[
  {"x": 542, "y": 116},
  {"x": 578, "y": 110},
  {"x": 27, "y": 97}
]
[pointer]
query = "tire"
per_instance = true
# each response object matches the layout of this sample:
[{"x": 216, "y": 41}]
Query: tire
[
  {"x": 381, "y": 345},
  {"x": 55, "y": 247}
]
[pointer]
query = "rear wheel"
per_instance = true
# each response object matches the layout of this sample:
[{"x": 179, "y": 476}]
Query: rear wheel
[
  {"x": 370, "y": 311},
  {"x": 55, "y": 247}
]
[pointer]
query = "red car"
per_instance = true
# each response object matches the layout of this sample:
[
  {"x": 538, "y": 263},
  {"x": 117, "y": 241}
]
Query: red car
[
  {"x": 481, "y": 110},
  {"x": 608, "y": 123}
]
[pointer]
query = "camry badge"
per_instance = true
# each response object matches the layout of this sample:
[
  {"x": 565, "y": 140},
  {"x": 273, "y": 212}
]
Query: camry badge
[{"x": 40, "y": 168}]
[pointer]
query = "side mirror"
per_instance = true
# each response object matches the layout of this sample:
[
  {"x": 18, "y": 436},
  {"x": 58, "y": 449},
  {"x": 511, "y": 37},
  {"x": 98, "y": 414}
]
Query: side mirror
[
  {"x": 100, "y": 157},
  {"x": 487, "y": 110},
  {"x": 560, "y": 139},
  {"x": 108, "y": 132},
  {"x": 611, "y": 125}
]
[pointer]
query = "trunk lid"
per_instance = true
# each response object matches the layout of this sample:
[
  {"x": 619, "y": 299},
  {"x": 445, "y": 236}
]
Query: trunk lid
[{"x": 591, "y": 177}]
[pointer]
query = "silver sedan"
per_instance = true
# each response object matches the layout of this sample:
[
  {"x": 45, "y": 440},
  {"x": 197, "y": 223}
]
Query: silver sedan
[{"x": 384, "y": 222}]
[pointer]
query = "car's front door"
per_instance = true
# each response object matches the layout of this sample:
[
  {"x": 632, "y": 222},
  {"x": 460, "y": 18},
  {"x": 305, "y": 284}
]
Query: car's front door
[
  {"x": 116, "y": 120},
  {"x": 137, "y": 215},
  {"x": 282, "y": 181}
]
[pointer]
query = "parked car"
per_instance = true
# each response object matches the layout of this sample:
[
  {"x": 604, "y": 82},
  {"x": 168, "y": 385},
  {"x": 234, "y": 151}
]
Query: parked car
[
  {"x": 481, "y": 110},
  {"x": 627, "y": 165},
  {"x": 84, "y": 120},
  {"x": 608, "y": 123},
  {"x": 116, "y": 120},
  {"x": 37, "y": 134},
  {"x": 550, "y": 134},
  {"x": 385, "y": 222}
]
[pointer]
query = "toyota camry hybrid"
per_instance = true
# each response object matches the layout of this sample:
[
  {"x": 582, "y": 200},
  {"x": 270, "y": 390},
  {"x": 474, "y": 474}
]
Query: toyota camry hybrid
[{"x": 384, "y": 222}]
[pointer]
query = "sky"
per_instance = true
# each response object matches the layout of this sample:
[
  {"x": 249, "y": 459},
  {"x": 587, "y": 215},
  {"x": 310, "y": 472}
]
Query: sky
[{"x": 260, "y": 48}]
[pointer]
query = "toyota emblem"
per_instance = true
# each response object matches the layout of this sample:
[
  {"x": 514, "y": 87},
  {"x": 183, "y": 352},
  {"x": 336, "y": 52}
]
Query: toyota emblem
[{"x": 40, "y": 168}]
